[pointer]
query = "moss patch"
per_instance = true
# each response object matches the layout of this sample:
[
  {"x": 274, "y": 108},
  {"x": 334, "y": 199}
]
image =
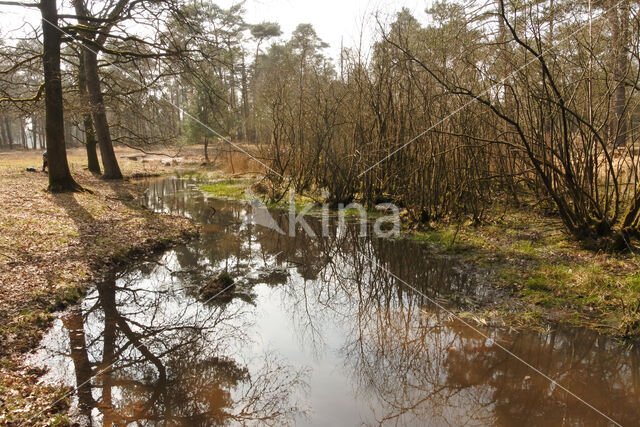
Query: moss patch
[
  {"x": 232, "y": 189},
  {"x": 530, "y": 257}
]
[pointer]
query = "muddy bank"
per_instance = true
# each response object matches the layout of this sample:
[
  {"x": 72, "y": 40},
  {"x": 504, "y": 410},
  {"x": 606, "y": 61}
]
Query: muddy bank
[{"x": 52, "y": 248}]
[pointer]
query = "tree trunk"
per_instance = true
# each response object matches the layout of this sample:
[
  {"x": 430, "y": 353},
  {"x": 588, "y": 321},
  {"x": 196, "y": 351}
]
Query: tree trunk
[
  {"x": 90, "y": 140},
  {"x": 109, "y": 160},
  {"x": 60, "y": 179},
  {"x": 23, "y": 133},
  {"x": 41, "y": 135},
  {"x": 89, "y": 132},
  {"x": 96, "y": 99},
  {"x": 68, "y": 133},
  {"x": 619, "y": 21},
  {"x": 3, "y": 138},
  {"x": 34, "y": 133},
  {"x": 7, "y": 125},
  {"x": 245, "y": 103}
]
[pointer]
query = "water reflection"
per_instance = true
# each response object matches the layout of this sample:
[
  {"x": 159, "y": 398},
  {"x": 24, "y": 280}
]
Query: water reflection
[
  {"x": 144, "y": 350},
  {"x": 316, "y": 333}
]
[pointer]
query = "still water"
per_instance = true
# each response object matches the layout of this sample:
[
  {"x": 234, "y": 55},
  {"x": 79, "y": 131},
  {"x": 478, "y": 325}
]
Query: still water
[{"x": 316, "y": 331}]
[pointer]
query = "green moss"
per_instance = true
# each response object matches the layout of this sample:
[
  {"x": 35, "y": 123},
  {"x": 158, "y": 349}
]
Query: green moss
[
  {"x": 633, "y": 282},
  {"x": 525, "y": 247},
  {"x": 532, "y": 317},
  {"x": 438, "y": 237},
  {"x": 508, "y": 275},
  {"x": 557, "y": 274},
  {"x": 227, "y": 189},
  {"x": 67, "y": 296},
  {"x": 542, "y": 299},
  {"x": 538, "y": 284}
]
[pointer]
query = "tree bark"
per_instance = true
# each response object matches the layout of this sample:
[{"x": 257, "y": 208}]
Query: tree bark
[
  {"x": 89, "y": 132},
  {"x": 3, "y": 137},
  {"x": 619, "y": 21},
  {"x": 34, "y": 132},
  {"x": 23, "y": 134},
  {"x": 68, "y": 134},
  {"x": 7, "y": 125},
  {"x": 90, "y": 140},
  {"x": 245, "y": 103},
  {"x": 42, "y": 135},
  {"x": 99, "y": 114},
  {"x": 60, "y": 179}
]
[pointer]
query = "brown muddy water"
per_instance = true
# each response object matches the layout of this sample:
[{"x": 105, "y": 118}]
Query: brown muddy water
[{"x": 316, "y": 331}]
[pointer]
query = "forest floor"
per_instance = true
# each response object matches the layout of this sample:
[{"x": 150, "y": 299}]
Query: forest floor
[{"x": 52, "y": 247}]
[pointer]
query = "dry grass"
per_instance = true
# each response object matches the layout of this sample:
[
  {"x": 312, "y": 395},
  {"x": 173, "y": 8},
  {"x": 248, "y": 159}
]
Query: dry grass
[{"x": 233, "y": 161}]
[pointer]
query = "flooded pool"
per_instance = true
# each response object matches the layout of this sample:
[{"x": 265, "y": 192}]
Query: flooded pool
[{"x": 340, "y": 330}]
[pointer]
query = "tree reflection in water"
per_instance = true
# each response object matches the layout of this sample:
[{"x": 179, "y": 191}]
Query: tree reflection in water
[
  {"x": 395, "y": 358},
  {"x": 145, "y": 350}
]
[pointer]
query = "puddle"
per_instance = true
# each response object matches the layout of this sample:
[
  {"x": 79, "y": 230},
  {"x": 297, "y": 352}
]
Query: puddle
[{"x": 316, "y": 331}]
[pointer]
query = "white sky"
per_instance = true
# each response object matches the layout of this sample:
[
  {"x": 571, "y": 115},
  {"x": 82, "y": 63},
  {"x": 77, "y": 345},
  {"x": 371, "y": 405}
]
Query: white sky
[{"x": 332, "y": 19}]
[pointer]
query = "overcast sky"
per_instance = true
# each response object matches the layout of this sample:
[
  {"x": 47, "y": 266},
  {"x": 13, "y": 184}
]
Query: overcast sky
[{"x": 332, "y": 19}]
